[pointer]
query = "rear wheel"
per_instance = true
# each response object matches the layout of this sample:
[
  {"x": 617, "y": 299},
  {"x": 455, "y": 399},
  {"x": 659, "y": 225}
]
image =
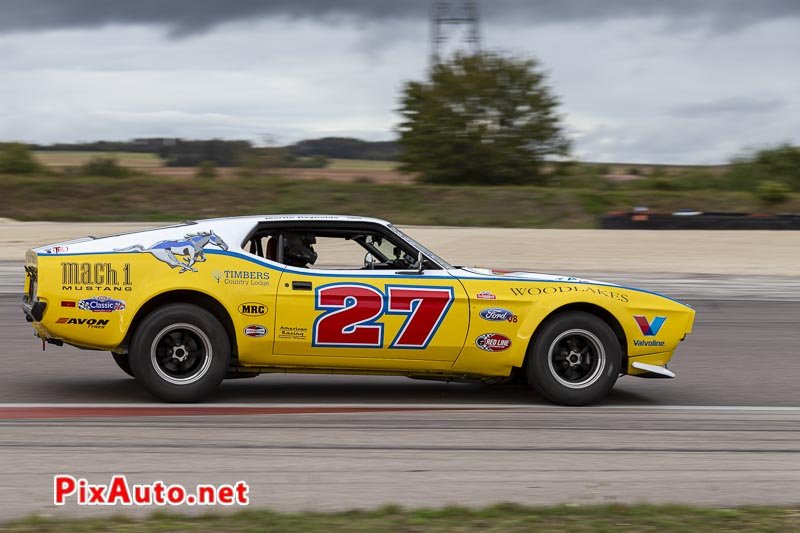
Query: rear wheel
[
  {"x": 574, "y": 359},
  {"x": 180, "y": 353},
  {"x": 123, "y": 362}
]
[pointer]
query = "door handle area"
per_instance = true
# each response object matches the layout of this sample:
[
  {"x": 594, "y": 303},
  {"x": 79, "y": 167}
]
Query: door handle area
[{"x": 301, "y": 285}]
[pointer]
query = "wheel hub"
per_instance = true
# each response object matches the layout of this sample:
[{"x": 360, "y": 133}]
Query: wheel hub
[
  {"x": 574, "y": 358},
  {"x": 180, "y": 353}
]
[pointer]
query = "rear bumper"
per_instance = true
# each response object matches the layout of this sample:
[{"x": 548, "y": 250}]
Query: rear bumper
[{"x": 34, "y": 311}]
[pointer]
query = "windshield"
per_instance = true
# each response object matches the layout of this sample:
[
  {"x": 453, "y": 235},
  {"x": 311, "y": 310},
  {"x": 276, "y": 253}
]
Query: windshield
[{"x": 430, "y": 255}]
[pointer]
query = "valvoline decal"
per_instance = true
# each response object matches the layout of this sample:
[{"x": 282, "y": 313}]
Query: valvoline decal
[
  {"x": 493, "y": 342},
  {"x": 496, "y": 314}
]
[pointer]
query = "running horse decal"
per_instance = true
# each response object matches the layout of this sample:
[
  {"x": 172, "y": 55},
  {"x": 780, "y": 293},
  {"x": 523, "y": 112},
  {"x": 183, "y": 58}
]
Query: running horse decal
[{"x": 189, "y": 250}]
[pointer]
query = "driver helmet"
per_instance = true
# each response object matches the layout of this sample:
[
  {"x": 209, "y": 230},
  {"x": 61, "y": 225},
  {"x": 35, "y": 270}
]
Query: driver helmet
[{"x": 297, "y": 249}]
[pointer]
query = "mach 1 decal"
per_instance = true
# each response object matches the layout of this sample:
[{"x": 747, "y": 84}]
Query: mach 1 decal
[
  {"x": 351, "y": 311},
  {"x": 649, "y": 329}
]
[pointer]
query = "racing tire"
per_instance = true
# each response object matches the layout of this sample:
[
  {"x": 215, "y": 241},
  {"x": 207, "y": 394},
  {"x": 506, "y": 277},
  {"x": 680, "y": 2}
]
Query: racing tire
[
  {"x": 574, "y": 360},
  {"x": 123, "y": 362},
  {"x": 180, "y": 353}
]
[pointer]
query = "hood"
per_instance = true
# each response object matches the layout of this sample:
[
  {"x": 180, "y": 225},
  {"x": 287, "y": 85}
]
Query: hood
[{"x": 531, "y": 276}]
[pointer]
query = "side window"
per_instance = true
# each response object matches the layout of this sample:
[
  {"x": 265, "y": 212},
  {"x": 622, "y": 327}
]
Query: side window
[{"x": 338, "y": 253}]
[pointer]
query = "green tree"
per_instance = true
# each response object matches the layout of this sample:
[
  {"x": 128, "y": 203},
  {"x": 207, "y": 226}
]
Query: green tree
[
  {"x": 16, "y": 158},
  {"x": 780, "y": 164},
  {"x": 480, "y": 119}
]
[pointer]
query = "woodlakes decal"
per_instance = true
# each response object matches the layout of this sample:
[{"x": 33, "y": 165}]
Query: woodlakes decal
[
  {"x": 535, "y": 290},
  {"x": 95, "y": 277}
]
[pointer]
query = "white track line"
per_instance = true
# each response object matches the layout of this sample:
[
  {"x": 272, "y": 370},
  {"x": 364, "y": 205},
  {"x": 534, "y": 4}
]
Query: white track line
[{"x": 465, "y": 406}]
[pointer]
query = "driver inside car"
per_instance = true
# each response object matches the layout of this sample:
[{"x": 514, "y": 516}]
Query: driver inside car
[{"x": 298, "y": 250}]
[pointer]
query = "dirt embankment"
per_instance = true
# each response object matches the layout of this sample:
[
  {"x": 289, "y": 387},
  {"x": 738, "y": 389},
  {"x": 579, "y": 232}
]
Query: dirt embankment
[{"x": 774, "y": 253}]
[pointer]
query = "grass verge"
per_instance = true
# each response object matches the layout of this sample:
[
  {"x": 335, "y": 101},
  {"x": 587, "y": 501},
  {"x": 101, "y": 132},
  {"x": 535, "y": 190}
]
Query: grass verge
[
  {"x": 504, "y": 517},
  {"x": 148, "y": 198}
]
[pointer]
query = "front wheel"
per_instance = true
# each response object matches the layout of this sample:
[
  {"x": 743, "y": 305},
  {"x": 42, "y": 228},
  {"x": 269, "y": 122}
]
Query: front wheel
[
  {"x": 574, "y": 360},
  {"x": 180, "y": 353}
]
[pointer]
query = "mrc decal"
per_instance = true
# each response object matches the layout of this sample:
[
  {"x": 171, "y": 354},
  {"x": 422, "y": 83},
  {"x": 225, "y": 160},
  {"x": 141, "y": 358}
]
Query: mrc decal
[
  {"x": 190, "y": 250},
  {"x": 351, "y": 313}
]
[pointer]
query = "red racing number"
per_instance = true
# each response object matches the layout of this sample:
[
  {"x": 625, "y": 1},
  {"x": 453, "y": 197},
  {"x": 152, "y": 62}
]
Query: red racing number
[
  {"x": 349, "y": 317},
  {"x": 425, "y": 307},
  {"x": 351, "y": 311}
]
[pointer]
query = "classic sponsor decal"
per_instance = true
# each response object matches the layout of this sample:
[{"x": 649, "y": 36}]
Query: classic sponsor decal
[
  {"x": 255, "y": 330},
  {"x": 642, "y": 343},
  {"x": 242, "y": 277},
  {"x": 493, "y": 342},
  {"x": 648, "y": 328},
  {"x": 486, "y": 295},
  {"x": 57, "y": 250},
  {"x": 95, "y": 277},
  {"x": 97, "y": 323},
  {"x": 558, "y": 289},
  {"x": 498, "y": 314},
  {"x": 181, "y": 254},
  {"x": 293, "y": 333},
  {"x": 101, "y": 304},
  {"x": 253, "y": 309}
]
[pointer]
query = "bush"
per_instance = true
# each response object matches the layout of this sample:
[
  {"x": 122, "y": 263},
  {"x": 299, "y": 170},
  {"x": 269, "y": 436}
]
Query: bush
[
  {"x": 16, "y": 158},
  {"x": 207, "y": 170},
  {"x": 772, "y": 192},
  {"x": 105, "y": 167},
  {"x": 315, "y": 161},
  {"x": 781, "y": 164}
]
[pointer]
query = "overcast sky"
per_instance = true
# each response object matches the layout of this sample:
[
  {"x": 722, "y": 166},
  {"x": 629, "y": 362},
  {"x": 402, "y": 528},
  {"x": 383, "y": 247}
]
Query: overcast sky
[{"x": 662, "y": 81}]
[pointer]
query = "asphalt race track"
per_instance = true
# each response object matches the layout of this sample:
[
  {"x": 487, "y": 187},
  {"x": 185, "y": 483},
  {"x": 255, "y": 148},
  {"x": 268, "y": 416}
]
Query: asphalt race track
[{"x": 725, "y": 432}]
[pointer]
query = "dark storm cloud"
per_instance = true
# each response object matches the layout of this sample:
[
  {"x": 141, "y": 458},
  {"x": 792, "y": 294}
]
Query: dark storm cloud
[
  {"x": 737, "y": 106},
  {"x": 183, "y": 17}
]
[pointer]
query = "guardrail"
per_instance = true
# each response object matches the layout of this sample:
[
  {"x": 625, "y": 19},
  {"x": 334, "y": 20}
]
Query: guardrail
[{"x": 696, "y": 220}]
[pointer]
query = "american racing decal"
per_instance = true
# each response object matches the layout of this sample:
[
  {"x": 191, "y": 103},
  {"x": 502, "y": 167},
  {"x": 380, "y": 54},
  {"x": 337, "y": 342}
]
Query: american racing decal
[
  {"x": 352, "y": 309},
  {"x": 97, "y": 323},
  {"x": 557, "y": 289},
  {"x": 95, "y": 277},
  {"x": 493, "y": 342},
  {"x": 190, "y": 250},
  {"x": 101, "y": 304},
  {"x": 255, "y": 330},
  {"x": 294, "y": 333},
  {"x": 498, "y": 314},
  {"x": 649, "y": 329},
  {"x": 486, "y": 295},
  {"x": 252, "y": 309}
]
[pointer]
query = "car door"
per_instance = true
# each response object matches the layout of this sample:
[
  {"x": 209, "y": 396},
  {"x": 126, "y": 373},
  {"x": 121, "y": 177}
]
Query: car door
[{"x": 378, "y": 314}]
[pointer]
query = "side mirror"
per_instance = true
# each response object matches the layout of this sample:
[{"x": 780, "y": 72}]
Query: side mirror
[
  {"x": 369, "y": 261},
  {"x": 420, "y": 263}
]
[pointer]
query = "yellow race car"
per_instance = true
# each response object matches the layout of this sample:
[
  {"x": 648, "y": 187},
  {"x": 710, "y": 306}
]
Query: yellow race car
[{"x": 185, "y": 306}]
